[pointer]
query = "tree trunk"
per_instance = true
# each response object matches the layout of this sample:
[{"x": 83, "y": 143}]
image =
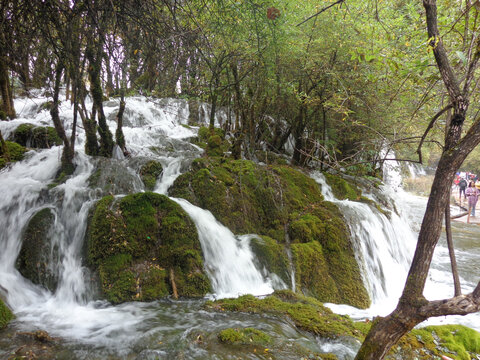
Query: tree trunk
[
  {"x": 106, "y": 138},
  {"x": 6, "y": 90},
  {"x": 413, "y": 307},
  {"x": 451, "y": 250},
  {"x": 119, "y": 137},
  {"x": 67, "y": 154}
]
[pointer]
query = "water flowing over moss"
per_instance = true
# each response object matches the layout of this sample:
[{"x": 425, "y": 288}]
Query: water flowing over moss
[
  {"x": 145, "y": 247},
  {"x": 5, "y": 315},
  {"x": 37, "y": 253},
  {"x": 279, "y": 203}
]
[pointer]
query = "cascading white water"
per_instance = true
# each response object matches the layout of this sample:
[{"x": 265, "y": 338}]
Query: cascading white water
[
  {"x": 229, "y": 260},
  {"x": 383, "y": 247}
]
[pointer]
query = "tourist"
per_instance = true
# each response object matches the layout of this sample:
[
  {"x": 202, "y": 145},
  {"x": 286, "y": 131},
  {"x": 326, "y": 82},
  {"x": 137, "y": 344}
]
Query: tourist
[
  {"x": 462, "y": 184},
  {"x": 472, "y": 193}
]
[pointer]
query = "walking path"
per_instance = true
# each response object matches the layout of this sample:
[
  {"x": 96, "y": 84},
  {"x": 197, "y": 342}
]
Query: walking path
[{"x": 464, "y": 204}]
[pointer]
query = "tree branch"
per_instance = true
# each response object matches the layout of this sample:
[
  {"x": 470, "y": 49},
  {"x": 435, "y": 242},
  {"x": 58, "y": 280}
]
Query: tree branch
[
  {"x": 321, "y": 11},
  {"x": 429, "y": 127},
  {"x": 458, "y": 305}
]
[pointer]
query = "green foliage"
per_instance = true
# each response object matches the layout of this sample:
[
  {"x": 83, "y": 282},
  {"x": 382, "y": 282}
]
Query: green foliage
[
  {"x": 5, "y": 315},
  {"x": 135, "y": 242}
]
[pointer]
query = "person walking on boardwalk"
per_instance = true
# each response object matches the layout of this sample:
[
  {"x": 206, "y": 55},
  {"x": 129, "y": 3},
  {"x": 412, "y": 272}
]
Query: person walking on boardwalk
[
  {"x": 472, "y": 194},
  {"x": 462, "y": 185}
]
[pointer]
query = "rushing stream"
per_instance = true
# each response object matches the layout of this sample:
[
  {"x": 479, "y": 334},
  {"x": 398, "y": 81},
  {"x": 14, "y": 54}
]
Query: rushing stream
[{"x": 94, "y": 329}]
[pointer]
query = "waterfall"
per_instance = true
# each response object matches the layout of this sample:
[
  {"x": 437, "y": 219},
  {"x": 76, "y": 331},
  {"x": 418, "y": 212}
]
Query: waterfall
[
  {"x": 229, "y": 260},
  {"x": 383, "y": 247}
]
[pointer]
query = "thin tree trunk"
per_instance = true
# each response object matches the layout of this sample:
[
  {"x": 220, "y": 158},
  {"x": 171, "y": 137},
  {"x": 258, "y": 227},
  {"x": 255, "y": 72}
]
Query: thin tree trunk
[
  {"x": 5, "y": 152},
  {"x": 451, "y": 251},
  {"x": 106, "y": 138},
  {"x": 6, "y": 90},
  {"x": 119, "y": 137},
  {"x": 67, "y": 154}
]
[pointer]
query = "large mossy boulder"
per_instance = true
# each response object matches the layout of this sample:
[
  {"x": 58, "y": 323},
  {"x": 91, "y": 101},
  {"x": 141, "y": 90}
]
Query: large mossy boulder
[
  {"x": 5, "y": 315},
  {"x": 38, "y": 254},
  {"x": 286, "y": 208},
  {"x": 144, "y": 247},
  {"x": 42, "y": 137}
]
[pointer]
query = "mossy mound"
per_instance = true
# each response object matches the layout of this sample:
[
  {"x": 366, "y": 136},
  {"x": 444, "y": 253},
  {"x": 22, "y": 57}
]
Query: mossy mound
[
  {"x": 5, "y": 315},
  {"x": 145, "y": 246},
  {"x": 15, "y": 153},
  {"x": 306, "y": 313},
  {"x": 149, "y": 173},
  {"x": 342, "y": 189},
  {"x": 278, "y": 202},
  {"x": 244, "y": 336},
  {"x": 42, "y": 137},
  {"x": 431, "y": 342},
  {"x": 37, "y": 253},
  {"x": 213, "y": 141}
]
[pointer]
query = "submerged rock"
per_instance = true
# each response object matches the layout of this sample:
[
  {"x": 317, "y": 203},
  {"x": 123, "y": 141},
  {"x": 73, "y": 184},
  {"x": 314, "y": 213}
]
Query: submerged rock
[
  {"x": 286, "y": 208},
  {"x": 144, "y": 247},
  {"x": 38, "y": 255}
]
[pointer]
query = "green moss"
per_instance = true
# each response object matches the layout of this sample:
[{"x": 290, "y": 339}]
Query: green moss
[
  {"x": 42, "y": 137},
  {"x": 145, "y": 236},
  {"x": 268, "y": 200},
  {"x": 455, "y": 341},
  {"x": 306, "y": 313},
  {"x": 244, "y": 336},
  {"x": 37, "y": 249},
  {"x": 15, "y": 153},
  {"x": 149, "y": 173},
  {"x": 342, "y": 189},
  {"x": 271, "y": 255},
  {"x": 5, "y": 315}
]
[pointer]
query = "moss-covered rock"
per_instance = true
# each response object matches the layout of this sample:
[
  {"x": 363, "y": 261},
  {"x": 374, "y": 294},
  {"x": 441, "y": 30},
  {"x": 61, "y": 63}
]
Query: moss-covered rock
[
  {"x": 271, "y": 255},
  {"x": 15, "y": 153},
  {"x": 149, "y": 173},
  {"x": 306, "y": 313},
  {"x": 5, "y": 315},
  {"x": 38, "y": 254},
  {"x": 431, "y": 342},
  {"x": 141, "y": 245},
  {"x": 342, "y": 189},
  {"x": 42, "y": 137},
  {"x": 244, "y": 336},
  {"x": 213, "y": 141},
  {"x": 278, "y": 203}
]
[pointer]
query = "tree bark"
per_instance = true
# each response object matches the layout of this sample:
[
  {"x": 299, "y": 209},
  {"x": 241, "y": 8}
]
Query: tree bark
[
  {"x": 106, "y": 138},
  {"x": 119, "y": 137},
  {"x": 451, "y": 250},
  {"x": 413, "y": 307},
  {"x": 68, "y": 153}
]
